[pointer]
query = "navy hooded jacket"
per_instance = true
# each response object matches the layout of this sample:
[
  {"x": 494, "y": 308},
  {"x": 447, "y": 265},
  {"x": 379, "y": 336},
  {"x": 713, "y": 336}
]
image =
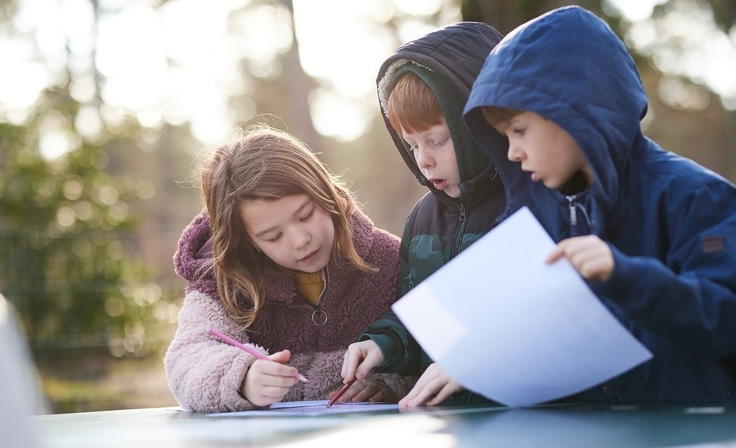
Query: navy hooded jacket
[{"x": 670, "y": 223}]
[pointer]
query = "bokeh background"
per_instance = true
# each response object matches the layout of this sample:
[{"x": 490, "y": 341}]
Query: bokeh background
[{"x": 105, "y": 105}]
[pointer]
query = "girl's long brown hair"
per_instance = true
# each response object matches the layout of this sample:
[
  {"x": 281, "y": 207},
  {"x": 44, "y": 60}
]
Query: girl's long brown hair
[{"x": 268, "y": 164}]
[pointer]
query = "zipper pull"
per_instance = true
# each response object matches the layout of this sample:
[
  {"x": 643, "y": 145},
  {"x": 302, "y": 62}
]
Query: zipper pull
[
  {"x": 460, "y": 231},
  {"x": 573, "y": 210}
]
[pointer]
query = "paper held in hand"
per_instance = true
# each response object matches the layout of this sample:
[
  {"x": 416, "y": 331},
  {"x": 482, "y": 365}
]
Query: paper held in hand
[{"x": 506, "y": 325}]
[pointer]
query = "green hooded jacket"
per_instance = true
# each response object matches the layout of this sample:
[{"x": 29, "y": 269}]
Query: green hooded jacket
[{"x": 438, "y": 226}]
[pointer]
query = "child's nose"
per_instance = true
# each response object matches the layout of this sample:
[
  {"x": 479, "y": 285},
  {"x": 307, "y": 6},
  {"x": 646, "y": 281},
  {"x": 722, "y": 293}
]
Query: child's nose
[
  {"x": 299, "y": 239},
  {"x": 423, "y": 157},
  {"x": 515, "y": 153}
]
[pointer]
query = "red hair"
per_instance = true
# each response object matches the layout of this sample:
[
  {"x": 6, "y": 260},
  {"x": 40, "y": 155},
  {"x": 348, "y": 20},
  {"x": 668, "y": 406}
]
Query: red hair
[{"x": 412, "y": 106}]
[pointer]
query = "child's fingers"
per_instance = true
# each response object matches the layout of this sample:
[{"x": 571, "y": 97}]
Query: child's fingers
[
  {"x": 433, "y": 387},
  {"x": 370, "y": 394},
  {"x": 421, "y": 396},
  {"x": 444, "y": 393},
  {"x": 362, "y": 391},
  {"x": 267, "y": 382},
  {"x": 350, "y": 363},
  {"x": 360, "y": 360},
  {"x": 408, "y": 398},
  {"x": 276, "y": 370},
  {"x": 351, "y": 394},
  {"x": 281, "y": 357},
  {"x": 413, "y": 397},
  {"x": 371, "y": 360},
  {"x": 556, "y": 253},
  {"x": 589, "y": 255}
]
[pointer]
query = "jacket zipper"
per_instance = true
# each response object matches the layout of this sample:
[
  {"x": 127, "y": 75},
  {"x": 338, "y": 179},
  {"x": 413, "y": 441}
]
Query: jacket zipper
[
  {"x": 319, "y": 316},
  {"x": 572, "y": 206},
  {"x": 460, "y": 232}
]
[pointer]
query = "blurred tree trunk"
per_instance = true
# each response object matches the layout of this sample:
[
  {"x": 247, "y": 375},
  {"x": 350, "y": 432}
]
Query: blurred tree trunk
[
  {"x": 505, "y": 15},
  {"x": 298, "y": 85},
  {"x": 285, "y": 96}
]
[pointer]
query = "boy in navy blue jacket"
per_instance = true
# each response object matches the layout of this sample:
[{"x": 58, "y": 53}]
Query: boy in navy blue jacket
[{"x": 652, "y": 233}]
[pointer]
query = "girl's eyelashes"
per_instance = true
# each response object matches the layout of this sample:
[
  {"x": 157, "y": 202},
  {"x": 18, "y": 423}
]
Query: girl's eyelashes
[
  {"x": 307, "y": 216},
  {"x": 271, "y": 237}
]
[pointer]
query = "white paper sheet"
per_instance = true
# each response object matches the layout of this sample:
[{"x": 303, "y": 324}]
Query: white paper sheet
[
  {"x": 506, "y": 325},
  {"x": 310, "y": 408}
]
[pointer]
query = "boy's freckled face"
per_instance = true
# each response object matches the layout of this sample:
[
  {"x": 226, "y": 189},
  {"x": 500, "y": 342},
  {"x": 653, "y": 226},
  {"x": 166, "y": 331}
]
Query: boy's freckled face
[
  {"x": 544, "y": 149},
  {"x": 434, "y": 153}
]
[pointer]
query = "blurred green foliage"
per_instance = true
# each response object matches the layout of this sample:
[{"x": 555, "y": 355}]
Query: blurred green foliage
[{"x": 68, "y": 261}]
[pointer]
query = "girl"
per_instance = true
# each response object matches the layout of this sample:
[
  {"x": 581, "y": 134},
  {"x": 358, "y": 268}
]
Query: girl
[{"x": 283, "y": 260}]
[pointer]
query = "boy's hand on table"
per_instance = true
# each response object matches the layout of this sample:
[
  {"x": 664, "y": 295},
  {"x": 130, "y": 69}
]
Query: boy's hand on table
[{"x": 432, "y": 388}]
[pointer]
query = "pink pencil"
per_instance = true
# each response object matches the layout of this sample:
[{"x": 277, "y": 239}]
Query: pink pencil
[{"x": 249, "y": 350}]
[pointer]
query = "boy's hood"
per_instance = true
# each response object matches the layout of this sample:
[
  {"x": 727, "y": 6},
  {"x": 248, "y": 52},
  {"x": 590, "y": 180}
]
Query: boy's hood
[
  {"x": 448, "y": 60},
  {"x": 596, "y": 95}
]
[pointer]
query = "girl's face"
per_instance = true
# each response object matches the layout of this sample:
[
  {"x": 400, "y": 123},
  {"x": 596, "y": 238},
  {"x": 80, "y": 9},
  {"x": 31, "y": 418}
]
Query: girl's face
[
  {"x": 292, "y": 231},
  {"x": 544, "y": 149},
  {"x": 434, "y": 153}
]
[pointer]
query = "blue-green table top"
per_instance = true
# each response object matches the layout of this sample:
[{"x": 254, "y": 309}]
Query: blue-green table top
[{"x": 544, "y": 426}]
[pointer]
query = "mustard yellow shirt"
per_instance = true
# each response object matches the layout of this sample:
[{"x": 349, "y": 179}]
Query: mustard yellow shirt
[{"x": 310, "y": 285}]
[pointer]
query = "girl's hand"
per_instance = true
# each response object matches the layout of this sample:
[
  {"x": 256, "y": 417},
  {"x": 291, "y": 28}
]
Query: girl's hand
[
  {"x": 589, "y": 255},
  {"x": 432, "y": 388},
  {"x": 360, "y": 360},
  {"x": 268, "y": 382},
  {"x": 372, "y": 389}
]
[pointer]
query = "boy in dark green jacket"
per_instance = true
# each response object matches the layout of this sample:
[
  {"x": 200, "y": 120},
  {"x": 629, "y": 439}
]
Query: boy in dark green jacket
[{"x": 422, "y": 89}]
